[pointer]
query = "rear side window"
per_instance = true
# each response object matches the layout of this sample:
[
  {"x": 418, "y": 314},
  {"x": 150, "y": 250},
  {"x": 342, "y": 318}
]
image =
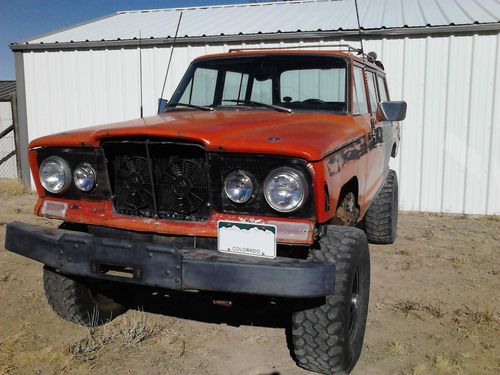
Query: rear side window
[
  {"x": 372, "y": 91},
  {"x": 382, "y": 89},
  {"x": 360, "y": 106}
]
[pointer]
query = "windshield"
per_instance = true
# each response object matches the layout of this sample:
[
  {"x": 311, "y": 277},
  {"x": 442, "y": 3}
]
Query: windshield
[{"x": 289, "y": 81}]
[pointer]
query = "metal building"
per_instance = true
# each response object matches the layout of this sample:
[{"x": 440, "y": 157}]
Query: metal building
[
  {"x": 441, "y": 56},
  {"x": 8, "y": 159}
]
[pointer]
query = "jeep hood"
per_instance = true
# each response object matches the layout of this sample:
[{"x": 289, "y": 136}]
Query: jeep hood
[{"x": 306, "y": 135}]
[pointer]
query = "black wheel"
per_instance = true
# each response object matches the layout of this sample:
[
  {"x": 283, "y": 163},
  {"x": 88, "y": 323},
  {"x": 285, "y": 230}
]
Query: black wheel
[
  {"x": 78, "y": 302},
  {"x": 381, "y": 218},
  {"x": 327, "y": 337}
]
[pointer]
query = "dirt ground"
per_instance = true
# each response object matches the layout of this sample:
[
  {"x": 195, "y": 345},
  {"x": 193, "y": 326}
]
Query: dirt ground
[{"x": 434, "y": 309}]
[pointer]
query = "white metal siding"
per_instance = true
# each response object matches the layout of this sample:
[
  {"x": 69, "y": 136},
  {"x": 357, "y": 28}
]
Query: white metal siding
[
  {"x": 451, "y": 137},
  {"x": 450, "y": 148}
]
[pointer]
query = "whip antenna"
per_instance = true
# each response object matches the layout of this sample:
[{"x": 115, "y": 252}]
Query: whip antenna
[
  {"x": 140, "y": 70},
  {"x": 170, "y": 59},
  {"x": 359, "y": 26}
]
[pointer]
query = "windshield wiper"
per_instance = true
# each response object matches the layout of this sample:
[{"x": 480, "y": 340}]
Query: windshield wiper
[
  {"x": 252, "y": 102},
  {"x": 173, "y": 105}
]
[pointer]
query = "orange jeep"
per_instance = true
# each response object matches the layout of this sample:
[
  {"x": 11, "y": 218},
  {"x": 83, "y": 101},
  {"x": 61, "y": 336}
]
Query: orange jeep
[{"x": 253, "y": 179}]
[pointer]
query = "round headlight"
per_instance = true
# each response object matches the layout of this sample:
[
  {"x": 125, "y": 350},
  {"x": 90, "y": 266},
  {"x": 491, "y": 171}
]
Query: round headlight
[
  {"x": 285, "y": 189},
  {"x": 55, "y": 174},
  {"x": 84, "y": 177},
  {"x": 238, "y": 186}
]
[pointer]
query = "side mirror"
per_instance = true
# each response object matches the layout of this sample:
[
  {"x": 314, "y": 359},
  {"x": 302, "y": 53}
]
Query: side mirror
[
  {"x": 162, "y": 105},
  {"x": 391, "y": 111}
]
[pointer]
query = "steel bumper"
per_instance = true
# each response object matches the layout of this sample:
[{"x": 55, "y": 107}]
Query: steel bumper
[{"x": 165, "y": 266}]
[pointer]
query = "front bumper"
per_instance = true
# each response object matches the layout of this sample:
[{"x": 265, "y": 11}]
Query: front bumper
[{"x": 165, "y": 266}]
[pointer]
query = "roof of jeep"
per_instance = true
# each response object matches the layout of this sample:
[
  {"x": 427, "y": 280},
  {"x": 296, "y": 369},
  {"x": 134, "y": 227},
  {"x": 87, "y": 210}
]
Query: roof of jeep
[{"x": 270, "y": 52}]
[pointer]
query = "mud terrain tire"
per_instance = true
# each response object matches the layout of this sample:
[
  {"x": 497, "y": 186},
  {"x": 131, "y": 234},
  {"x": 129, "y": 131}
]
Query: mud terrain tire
[
  {"x": 328, "y": 337},
  {"x": 381, "y": 218},
  {"x": 76, "y": 301}
]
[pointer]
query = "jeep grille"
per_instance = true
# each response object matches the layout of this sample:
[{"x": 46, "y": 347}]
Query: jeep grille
[{"x": 161, "y": 179}]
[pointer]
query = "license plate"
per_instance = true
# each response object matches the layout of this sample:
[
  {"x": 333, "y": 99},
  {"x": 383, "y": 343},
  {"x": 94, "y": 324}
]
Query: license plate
[{"x": 258, "y": 240}]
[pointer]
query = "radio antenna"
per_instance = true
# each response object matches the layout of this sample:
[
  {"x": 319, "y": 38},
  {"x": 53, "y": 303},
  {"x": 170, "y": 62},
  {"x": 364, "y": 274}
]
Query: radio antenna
[
  {"x": 170, "y": 59},
  {"x": 140, "y": 70},
  {"x": 359, "y": 26}
]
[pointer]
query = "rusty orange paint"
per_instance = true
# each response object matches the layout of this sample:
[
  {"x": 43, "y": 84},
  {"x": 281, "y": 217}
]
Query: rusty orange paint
[
  {"x": 102, "y": 214},
  {"x": 301, "y": 135}
]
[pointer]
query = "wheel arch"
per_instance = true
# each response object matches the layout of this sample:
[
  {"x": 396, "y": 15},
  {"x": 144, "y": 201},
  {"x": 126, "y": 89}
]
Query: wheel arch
[{"x": 351, "y": 186}]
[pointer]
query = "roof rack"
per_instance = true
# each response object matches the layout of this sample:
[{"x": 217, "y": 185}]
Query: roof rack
[
  {"x": 345, "y": 47},
  {"x": 342, "y": 47}
]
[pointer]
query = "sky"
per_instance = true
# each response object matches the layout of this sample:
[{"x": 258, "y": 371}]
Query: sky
[{"x": 24, "y": 19}]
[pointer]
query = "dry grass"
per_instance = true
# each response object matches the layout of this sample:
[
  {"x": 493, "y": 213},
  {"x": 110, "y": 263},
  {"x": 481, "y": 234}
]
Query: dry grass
[
  {"x": 417, "y": 369},
  {"x": 477, "y": 316},
  {"x": 446, "y": 365},
  {"x": 6, "y": 369},
  {"x": 491, "y": 218},
  {"x": 86, "y": 348},
  {"x": 411, "y": 305},
  {"x": 11, "y": 187},
  {"x": 128, "y": 330},
  {"x": 457, "y": 261},
  {"x": 397, "y": 348},
  {"x": 410, "y": 264},
  {"x": 136, "y": 327},
  {"x": 429, "y": 232}
]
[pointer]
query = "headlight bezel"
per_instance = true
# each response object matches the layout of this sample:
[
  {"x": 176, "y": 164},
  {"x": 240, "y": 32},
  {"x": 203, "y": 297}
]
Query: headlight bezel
[
  {"x": 298, "y": 176},
  {"x": 66, "y": 169},
  {"x": 259, "y": 166},
  {"x": 249, "y": 179},
  {"x": 93, "y": 172},
  {"x": 74, "y": 156}
]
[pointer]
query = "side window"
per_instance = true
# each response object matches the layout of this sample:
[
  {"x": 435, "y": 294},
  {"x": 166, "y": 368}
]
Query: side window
[
  {"x": 360, "y": 106},
  {"x": 327, "y": 85},
  {"x": 201, "y": 89},
  {"x": 235, "y": 87},
  {"x": 372, "y": 91},
  {"x": 382, "y": 89}
]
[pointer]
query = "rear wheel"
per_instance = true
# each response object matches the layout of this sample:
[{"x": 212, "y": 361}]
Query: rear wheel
[
  {"x": 79, "y": 302},
  {"x": 327, "y": 336},
  {"x": 381, "y": 218}
]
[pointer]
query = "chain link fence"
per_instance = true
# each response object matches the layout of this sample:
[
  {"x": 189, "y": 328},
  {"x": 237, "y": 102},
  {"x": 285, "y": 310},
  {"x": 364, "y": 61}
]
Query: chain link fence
[{"x": 8, "y": 169}]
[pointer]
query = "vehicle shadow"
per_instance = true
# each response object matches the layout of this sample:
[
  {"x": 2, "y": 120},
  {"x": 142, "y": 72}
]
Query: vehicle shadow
[{"x": 232, "y": 310}]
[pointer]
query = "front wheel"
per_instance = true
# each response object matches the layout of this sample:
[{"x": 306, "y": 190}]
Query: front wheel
[
  {"x": 328, "y": 336},
  {"x": 79, "y": 302}
]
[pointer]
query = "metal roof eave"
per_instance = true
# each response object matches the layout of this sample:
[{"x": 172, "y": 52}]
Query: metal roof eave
[
  {"x": 7, "y": 89},
  {"x": 484, "y": 28}
]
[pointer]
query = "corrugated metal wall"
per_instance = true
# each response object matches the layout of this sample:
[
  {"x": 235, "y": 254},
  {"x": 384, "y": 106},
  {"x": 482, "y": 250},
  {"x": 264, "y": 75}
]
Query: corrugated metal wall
[{"x": 450, "y": 140}]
